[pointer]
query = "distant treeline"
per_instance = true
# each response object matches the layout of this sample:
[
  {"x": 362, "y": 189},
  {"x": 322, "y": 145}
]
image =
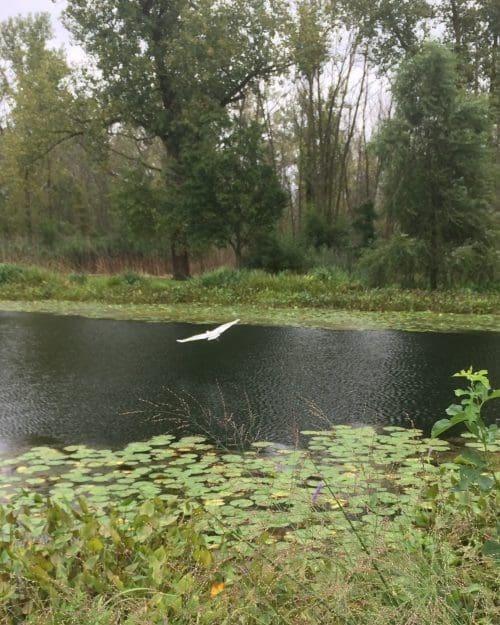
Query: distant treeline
[{"x": 256, "y": 134}]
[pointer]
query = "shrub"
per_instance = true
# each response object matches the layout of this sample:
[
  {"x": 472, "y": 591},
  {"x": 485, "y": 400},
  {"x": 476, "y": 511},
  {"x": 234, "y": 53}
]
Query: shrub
[
  {"x": 10, "y": 273},
  {"x": 332, "y": 275},
  {"x": 78, "y": 278},
  {"x": 222, "y": 278},
  {"x": 48, "y": 233},
  {"x": 319, "y": 233},
  {"x": 16, "y": 273},
  {"x": 473, "y": 265},
  {"x": 396, "y": 261},
  {"x": 131, "y": 278},
  {"x": 277, "y": 253}
]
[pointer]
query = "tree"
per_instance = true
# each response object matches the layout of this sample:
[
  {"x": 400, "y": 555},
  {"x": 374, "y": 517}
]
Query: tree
[
  {"x": 390, "y": 27},
  {"x": 435, "y": 160},
  {"x": 43, "y": 163},
  {"x": 229, "y": 192},
  {"x": 166, "y": 63},
  {"x": 472, "y": 27}
]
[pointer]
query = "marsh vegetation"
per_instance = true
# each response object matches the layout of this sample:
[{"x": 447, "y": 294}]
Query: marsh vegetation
[{"x": 182, "y": 530}]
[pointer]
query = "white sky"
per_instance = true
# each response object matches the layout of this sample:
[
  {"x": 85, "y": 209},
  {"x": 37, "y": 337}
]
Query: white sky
[{"x": 11, "y": 8}]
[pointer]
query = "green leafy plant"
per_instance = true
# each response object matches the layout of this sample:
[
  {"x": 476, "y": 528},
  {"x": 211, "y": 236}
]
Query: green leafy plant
[
  {"x": 476, "y": 473},
  {"x": 468, "y": 411}
]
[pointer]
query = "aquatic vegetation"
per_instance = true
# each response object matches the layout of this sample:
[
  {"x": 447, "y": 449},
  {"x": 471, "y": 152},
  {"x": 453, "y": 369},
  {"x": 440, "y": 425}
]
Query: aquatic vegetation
[
  {"x": 259, "y": 315},
  {"x": 375, "y": 474},
  {"x": 357, "y": 526},
  {"x": 318, "y": 299}
]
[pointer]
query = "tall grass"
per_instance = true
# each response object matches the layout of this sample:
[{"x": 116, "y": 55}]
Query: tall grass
[
  {"x": 321, "y": 288},
  {"x": 103, "y": 256}
]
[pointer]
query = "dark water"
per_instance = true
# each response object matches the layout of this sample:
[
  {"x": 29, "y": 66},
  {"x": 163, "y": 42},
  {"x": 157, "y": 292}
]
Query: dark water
[{"x": 67, "y": 380}]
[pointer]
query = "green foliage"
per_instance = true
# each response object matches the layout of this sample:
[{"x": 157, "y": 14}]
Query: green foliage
[
  {"x": 192, "y": 72},
  {"x": 333, "y": 276},
  {"x": 436, "y": 182},
  {"x": 477, "y": 476},
  {"x": 473, "y": 264},
  {"x": 45, "y": 175},
  {"x": 264, "y": 544},
  {"x": 392, "y": 27},
  {"x": 20, "y": 274},
  {"x": 227, "y": 190},
  {"x": 397, "y": 260},
  {"x": 125, "y": 280},
  {"x": 274, "y": 253},
  {"x": 468, "y": 411},
  {"x": 363, "y": 224},
  {"x": 140, "y": 201},
  {"x": 48, "y": 233},
  {"x": 131, "y": 278},
  {"x": 78, "y": 278},
  {"x": 80, "y": 252},
  {"x": 223, "y": 278},
  {"x": 11, "y": 273},
  {"x": 322, "y": 294},
  {"x": 78, "y": 551},
  {"x": 319, "y": 233}
]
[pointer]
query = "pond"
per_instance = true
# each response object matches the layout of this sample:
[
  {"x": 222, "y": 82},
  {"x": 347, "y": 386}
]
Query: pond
[{"x": 104, "y": 383}]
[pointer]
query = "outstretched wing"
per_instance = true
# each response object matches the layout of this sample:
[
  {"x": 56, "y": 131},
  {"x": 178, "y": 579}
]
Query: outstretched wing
[
  {"x": 220, "y": 329},
  {"x": 196, "y": 337}
]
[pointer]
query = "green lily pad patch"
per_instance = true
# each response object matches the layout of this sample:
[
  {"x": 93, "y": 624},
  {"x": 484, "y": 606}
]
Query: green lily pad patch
[{"x": 366, "y": 474}]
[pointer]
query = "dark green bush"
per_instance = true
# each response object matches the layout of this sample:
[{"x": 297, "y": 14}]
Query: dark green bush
[
  {"x": 10, "y": 273},
  {"x": 78, "y": 278},
  {"x": 331, "y": 275},
  {"x": 320, "y": 233},
  {"x": 396, "y": 261},
  {"x": 277, "y": 253},
  {"x": 473, "y": 265},
  {"x": 131, "y": 278},
  {"x": 363, "y": 224},
  {"x": 48, "y": 233},
  {"x": 222, "y": 278}
]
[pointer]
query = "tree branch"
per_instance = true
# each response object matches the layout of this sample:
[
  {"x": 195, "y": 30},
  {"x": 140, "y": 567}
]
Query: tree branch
[{"x": 137, "y": 159}]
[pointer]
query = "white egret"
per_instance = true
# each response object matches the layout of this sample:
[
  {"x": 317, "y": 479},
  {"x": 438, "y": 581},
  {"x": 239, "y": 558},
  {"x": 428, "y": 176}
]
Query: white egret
[{"x": 210, "y": 335}]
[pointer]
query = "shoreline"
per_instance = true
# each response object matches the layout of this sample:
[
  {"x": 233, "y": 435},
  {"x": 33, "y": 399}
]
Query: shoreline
[{"x": 321, "y": 318}]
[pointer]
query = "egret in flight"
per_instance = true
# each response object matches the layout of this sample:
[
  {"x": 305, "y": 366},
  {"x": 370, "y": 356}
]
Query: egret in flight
[{"x": 210, "y": 335}]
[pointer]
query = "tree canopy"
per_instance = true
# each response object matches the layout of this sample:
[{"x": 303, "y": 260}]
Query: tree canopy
[
  {"x": 340, "y": 131},
  {"x": 435, "y": 159}
]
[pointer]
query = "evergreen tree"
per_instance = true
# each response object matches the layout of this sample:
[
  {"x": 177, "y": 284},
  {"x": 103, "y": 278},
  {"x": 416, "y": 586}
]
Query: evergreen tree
[{"x": 436, "y": 160}]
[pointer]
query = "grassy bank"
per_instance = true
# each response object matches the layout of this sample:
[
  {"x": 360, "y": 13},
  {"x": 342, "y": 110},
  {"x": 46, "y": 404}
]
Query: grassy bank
[
  {"x": 161, "y": 573},
  {"x": 321, "y": 299},
  {"x": 364, "y": 528}
]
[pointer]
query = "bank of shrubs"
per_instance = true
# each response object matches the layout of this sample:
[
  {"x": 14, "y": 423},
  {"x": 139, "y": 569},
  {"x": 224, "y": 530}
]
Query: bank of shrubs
[{"x": 321, "y": 287}]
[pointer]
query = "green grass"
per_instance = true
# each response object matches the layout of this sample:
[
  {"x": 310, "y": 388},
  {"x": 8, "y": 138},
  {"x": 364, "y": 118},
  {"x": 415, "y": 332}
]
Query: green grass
[
  {"x": 321, "y": 298},
  {"x": 290, "y": 587}
]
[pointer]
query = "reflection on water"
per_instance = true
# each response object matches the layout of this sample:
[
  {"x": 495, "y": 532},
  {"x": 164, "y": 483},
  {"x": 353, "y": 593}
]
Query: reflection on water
[{"x": 72, "y": 380}]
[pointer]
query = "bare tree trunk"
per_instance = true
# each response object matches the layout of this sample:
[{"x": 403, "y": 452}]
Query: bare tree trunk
[
  {"x": 28, "y": 206},
  {"x": 180, "y": 263},
  {"x": 347, "y": 144}
]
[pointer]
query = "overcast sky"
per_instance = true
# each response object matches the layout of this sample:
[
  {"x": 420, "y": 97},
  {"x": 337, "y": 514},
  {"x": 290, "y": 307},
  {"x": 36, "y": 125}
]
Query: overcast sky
[{"x": 11, "y": 8}]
